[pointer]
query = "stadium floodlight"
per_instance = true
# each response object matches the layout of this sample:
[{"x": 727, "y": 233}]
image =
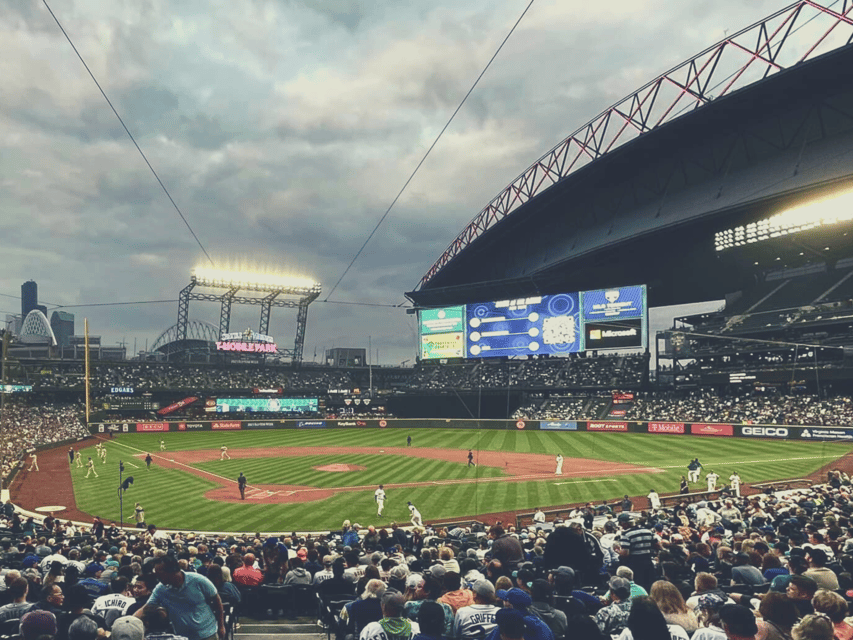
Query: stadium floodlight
[
  {"x": 819, "y": 213},
  {"x": 253, "y": 280}
]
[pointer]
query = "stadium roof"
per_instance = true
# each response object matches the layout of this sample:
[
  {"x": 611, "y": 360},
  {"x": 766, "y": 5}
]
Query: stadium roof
[{"x": 639, "y": 189}]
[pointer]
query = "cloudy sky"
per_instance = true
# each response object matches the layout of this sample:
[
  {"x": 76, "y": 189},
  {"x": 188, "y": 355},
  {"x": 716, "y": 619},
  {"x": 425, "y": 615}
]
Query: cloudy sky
[{"x": 283, "y": 129}]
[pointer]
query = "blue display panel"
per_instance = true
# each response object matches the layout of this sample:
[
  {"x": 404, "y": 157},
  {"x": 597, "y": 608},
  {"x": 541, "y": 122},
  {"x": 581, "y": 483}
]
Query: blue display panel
[
  {"x": 617, "y": 303},
  {"x": 525, "y": 326}
]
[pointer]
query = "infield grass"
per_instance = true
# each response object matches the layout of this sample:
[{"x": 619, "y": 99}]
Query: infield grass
[{"x": 175, "y": 499}]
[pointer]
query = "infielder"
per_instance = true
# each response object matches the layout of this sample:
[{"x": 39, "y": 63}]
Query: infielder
[
  {"x": 91, "y": 466},
  {"x": 34, "y": 462},
  {"x": 734, "y": 481},
  {"x": 379, "y": 497},
  {"x": 223, "y": 455},
  {"x": 711, "y": 478},
  {"x": 416, "y": 518},
  {"x": 162, "y": 445},
  {"x": 559, "y": 470}
]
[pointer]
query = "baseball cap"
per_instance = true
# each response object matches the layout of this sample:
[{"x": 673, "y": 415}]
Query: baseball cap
[
  {"x": 414, "y": 581},
  {"x": 128, "y": 628},
  {"x": 38, "y": 623},
  {"x": 711, "y": 601},
  {"x": 563, "y": 572},
  {"x": 483, "y": 588},
  {"x": 327, "y": 560},
  {"x": 617, "y": 583},
  {"x": 515, "y": 596},
  {"x": 739, "y": 620},
  {"x": 438, "y": 571},
  {"x": 400, "y": 572},
  {"x": 624, "y": 517}
]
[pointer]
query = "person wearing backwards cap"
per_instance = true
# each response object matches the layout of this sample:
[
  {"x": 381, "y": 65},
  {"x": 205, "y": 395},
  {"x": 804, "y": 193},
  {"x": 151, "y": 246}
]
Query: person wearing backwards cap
[
  {"x": 475, "y": 621},
  {"x": 127, "y": 628},
  {"x": 612, "y": 618}
]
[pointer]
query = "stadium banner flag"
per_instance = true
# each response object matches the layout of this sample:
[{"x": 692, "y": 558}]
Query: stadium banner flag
[
  {"x": 606, "y": 426},
  {"x": 152, "y": 426},
  {"x": 177, "y": 405},
  {"x": 552, "y": 425},
  {"x": 666, "y": 427},
  {"x": 712, "y": 429}
]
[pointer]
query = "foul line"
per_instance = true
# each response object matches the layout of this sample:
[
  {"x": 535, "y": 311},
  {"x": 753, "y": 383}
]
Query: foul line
[{"x": 581, "y": 481}]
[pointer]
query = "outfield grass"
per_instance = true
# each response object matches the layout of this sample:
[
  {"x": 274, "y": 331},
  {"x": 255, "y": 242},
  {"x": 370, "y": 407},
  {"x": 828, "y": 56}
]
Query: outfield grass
[{"x": 175, "y": 499}]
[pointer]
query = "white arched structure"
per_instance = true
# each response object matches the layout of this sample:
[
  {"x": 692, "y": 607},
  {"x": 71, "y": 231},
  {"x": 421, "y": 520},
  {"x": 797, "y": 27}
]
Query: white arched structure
[{"x": 36, "y": 329}]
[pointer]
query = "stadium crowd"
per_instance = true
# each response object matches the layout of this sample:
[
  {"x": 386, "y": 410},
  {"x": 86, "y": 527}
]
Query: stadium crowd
[
  {"x": 761, "y": 567},
  {"x": 24, "y": 427}
]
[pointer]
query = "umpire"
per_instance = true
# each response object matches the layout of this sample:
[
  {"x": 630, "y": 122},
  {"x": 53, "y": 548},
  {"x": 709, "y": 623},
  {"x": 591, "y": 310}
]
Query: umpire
[{"x": 241, "y": 484}]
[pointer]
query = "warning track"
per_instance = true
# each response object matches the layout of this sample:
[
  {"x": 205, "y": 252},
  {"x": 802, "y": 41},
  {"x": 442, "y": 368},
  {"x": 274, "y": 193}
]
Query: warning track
[{"x": 518, "y": 467}]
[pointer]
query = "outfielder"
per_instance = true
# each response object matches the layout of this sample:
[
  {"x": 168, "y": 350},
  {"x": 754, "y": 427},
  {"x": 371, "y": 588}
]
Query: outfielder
[
  {"x": 379, "y": 497},
  {"x": 162, "y": 445},
  {"x": 91, "y": 466}
]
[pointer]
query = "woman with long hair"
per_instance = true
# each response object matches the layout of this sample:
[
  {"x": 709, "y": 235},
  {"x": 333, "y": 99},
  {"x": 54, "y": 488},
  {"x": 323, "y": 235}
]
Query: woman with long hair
[
  {"x": 646, "y": 622},
  {"x": 816, "y": 626},
  {"x": 671, "y": 604}
]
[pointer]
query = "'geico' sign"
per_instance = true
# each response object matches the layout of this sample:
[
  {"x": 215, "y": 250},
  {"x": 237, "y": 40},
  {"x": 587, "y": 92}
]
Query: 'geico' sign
[{"x": 765, "y": 432}]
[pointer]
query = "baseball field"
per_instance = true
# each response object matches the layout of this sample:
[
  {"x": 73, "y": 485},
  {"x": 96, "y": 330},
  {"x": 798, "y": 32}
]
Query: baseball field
[{"x": 311, "y": 480}]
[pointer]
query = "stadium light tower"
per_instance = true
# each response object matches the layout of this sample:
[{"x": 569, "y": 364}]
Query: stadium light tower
[{"x": 280, "y": 291}]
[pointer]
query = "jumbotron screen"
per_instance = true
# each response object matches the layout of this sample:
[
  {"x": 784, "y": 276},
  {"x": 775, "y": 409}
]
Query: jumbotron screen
[
  {"x": 537, "y": 325},
  {"x": 266, "y": 405}
]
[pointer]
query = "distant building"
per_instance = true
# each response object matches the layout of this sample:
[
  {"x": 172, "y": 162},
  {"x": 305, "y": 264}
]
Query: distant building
[
  {"x": 13, "y": 324},
  {"x": 344, "y": 357},
  {"x": 62, "y": 324},
  {"x": 29, "y": 297}
]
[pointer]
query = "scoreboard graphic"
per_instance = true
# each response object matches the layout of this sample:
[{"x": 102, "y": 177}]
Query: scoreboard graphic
[{"x": 537, "y": 325}]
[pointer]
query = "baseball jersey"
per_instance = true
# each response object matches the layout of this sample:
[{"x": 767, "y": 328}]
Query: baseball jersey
[{"x": 475, "y": 621}]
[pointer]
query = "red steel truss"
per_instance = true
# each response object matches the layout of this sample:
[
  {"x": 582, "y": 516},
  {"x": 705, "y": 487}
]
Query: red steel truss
[{"x": 794, "y": 34}]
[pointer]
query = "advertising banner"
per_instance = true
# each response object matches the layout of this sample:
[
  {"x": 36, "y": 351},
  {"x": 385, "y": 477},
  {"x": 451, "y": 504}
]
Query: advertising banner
[
  {"x": 190, "y": 426},
  {"x": 311, "y": 424},
  {"x": 265, "y": 424},
  {"x": 750, "y": 431},
  {"x": 819, "y": 433},
  {"x": 613, "y": 304},
  {"x": 607, "y": 426},
  {"x": 569, "y": 425},
  {"x": 614, "y": 335},
  {"x": 666, "y": 427},
  {"x": 712, "y": 429},
  {"x": 152, "y": 426},
  {"x": 267, "y": 405},
  {"x": 174, "y": 407},
  {"x": 226, "y": 426}
]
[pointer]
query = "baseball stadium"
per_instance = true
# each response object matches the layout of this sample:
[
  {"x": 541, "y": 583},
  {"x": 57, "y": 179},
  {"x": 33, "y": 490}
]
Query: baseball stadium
[{"x": 728, "y": 177}]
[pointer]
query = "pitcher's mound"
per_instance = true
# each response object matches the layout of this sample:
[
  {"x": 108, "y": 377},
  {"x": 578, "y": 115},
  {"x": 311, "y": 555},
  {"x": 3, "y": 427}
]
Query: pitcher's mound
[{"x": 340, "y": 467}]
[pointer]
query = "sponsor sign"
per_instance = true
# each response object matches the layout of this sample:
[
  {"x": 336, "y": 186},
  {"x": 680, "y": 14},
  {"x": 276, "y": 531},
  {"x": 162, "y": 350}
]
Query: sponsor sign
[
  {"x": 190, "y": 426},
  {"x": 347, "y": 423},
  {"x": 764, "y": 432},
  {"x": 383, "y": 423},
  {"x": 622, "y": 398},
  {"x": 16, "y": 388},
  {"x": 613, "y": 335},
  {"x": 226, "y": 426},
  {"x": 520, "y": 424},
  {"x": 174, "y": 407},
  {"x": 361, "y": 423},
  {"x": 121, "y": 390},
  {"x": 247, "y": 335},
  {"x": 607, "y": 426},
  {"x": 259, "y": 425},
  {"x": 273, "y": 391},
  {"x": 712, "y": 429},
  {"x": 666, "y": 427},
  {"x": 249, "y": 347},
  {"x": 618, "y": 413},
  {"x": 817, "y": 433},
  {"x": 311, "y": 424},
  {"x": 570, "y": 425},
  {"x": 152, "y": 426}
]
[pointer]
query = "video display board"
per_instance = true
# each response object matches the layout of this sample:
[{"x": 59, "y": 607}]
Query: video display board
[
  {"x": 524, "y": 326},
  {"x": 442, "y": 332},
  {"x": 537, "y": 325},
  {"x": 266, "y": 405}
]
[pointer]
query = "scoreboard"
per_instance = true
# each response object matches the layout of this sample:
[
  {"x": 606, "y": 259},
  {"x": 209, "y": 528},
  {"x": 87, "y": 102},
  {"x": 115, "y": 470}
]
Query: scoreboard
[{"x": 537, "y": 325}]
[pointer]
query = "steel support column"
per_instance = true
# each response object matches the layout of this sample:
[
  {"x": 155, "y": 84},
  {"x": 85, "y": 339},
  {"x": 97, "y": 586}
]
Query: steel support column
[
  {"x": 225, "y": 311},
  {"x": 266, "y": 306},
  {"x": 301, "y": 323}
]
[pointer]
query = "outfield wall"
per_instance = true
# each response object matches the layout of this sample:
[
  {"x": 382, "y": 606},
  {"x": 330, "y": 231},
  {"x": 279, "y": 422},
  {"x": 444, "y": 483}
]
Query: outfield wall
[{"x": 719, "y": 430}]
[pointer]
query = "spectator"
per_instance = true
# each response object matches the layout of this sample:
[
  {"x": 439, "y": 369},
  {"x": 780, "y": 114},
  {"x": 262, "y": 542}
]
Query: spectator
[
  {"x": 556, "y": 620},
  {"x": 392, "y": 626},
  {"x": 672, "y": 606},
  {"x": 613, "y": 617},
  {"x": 18, "y": 589},
  {"x": 813, "y": 627},
  {"x": 475, "y": 621},
  {"x": 834, "y": 606},
  {"x": 248, "y": 575}
]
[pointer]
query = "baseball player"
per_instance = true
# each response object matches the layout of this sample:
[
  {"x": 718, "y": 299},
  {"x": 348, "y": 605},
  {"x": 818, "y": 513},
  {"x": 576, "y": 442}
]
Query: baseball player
[
  {"x": 139, "y": 514},
  {"x": 241, "y": 485},
  {"x": 693, "y": 470},
  {"x": 654, "y": 499},
  {"x": 162, "y": 445},
  {"x": 416, "y": 518},
  {"x": 734, "y": 481},
  {"x": 379, "y": 497},
  {"x": 90, "y": 464},
  {"x": 103, "y": 454},
  {"x": 34, "y": 462},
  {"x": 79, "y": 459},
  {"x": 559, "y": 470},
  {"x": 223, "y": 453},
  {"x": 148, "y": 460},
  {"x": 711, "y": 478},
  {"x": 471, "y": 458}
]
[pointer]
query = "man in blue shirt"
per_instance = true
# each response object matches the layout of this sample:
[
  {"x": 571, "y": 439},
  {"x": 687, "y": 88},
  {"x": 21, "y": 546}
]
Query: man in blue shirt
[{"x": 191, "y": 600}]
